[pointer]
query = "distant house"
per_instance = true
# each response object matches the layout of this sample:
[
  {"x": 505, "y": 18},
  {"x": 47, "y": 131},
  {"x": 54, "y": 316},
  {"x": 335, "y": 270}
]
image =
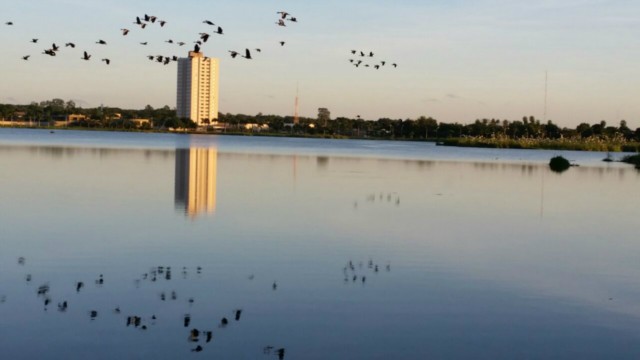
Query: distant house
[
  {"x": 76, "y": 117},
  {"x": 141, "y": 122},
  {"x": 256, "y": 127}
]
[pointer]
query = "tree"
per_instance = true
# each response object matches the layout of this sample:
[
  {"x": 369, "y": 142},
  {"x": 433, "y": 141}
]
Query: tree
[{"x": 323, "y": 116}]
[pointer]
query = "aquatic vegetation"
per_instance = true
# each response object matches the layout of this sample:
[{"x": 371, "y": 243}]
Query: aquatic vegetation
[
  {"x": 594, "y": 143},
  {"x": 632, "y": 159},
  {"x": 559, "y": 164}
]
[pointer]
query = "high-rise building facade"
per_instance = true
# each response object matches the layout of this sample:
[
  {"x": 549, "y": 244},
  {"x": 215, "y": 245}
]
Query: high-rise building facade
[{"x": 198, "y": 78}]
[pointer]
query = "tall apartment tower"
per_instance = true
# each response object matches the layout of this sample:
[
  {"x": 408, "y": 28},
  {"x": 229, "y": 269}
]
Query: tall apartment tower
[{"x": 198, "y": 79}]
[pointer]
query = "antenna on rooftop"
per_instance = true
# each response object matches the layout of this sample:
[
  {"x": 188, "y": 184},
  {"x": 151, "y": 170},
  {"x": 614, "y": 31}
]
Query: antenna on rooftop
[
  {"x": 546, "y": 82},
  {"x": 296, "y": 119}
]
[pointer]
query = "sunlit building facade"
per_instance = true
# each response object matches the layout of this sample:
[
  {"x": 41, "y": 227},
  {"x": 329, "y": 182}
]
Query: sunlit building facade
[
  {"x": 197, "y": 97},
  {"x": 195, "y": 181}
]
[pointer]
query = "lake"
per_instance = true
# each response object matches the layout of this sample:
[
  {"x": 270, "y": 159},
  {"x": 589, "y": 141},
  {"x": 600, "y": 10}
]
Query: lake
[{"x": 331, "y": 249}]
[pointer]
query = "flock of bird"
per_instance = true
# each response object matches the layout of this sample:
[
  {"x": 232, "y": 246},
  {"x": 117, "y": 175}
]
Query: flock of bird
[
  {"x": 361, "y": 54},
  {"x": 146, "y": 20},
  {"x": 197, "y": 339},
  {"x": 283, "y": 19}
]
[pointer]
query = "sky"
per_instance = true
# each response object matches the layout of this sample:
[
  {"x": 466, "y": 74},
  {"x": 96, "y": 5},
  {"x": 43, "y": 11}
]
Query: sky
[{"x": 458, "y": 60}]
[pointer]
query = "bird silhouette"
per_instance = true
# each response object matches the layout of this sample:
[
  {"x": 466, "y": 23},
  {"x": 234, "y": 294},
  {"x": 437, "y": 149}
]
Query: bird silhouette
[
  {"x": 124, "y": 31},
  {"x": 376, "y": 67},
  {"x": 247, "y": 54},
  {"x": 187, "y": 320},
  {"x": 55, "y": 47},
  {"x": 72, "y": 45},
  {"x": 162, "y": 22},
  {"x": 233, "y": 54},
  {"x": 383, "y": 62},
  {"x": 107, "y": 61},
  {"x": 101, "y": 42},
  {"x": 79, "y": 285},
  {"x": 370, "y": 53},
  {"x": 196, "y": 48},
  {"x": 282, "y": 43},
  {"x": 209, "y": 335},
  {"x": 274, "y": 286},
  {"x": 86, "y": 56},
  {"x": 281, "y": 23},
  {"x": 208, "y": 22},
  {"x": 395, "y": 65},
  {"x": 138, "y": 21},
  {"x": 238, "y": 312},
  {"x": 49, "y": 52},
  {"x": 204, "y": 37},
  {"x": 283, "y": 14},
  {"x": 34, "y": 40},
  {"x": 181, "y": 43},
  {"x": 292, "y": 19},
  {"x": 197, "y": 349},
  {"x": 224, "y": 322},
  {"x": 26, "y": 58},
  {"x": 219, "y": 31},
  {"x": 9, "y": 23},
  {"x": 280, "y": 353},
  {"x": 169, "y": 41}
]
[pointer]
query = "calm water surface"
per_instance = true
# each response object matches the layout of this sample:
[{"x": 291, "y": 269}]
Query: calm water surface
[{"x": 480, "y": 254}]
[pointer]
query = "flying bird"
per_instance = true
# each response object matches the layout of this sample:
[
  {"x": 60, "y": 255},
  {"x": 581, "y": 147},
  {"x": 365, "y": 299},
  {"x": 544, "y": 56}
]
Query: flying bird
[
  {"x": 162, "y": 22},
  {"x": 34, "y": 40},
  {"x": 292, "y": 19},
  {"x": 49, "y": 52},
  {"x": 204, "y": 37},
  {"x": 101, "y": 42},
  {"x": 124, "y": 31},
  {"x": 70, "y": 44},
  {"x": 353, "y": 51},
  {"x": 395, "y": 65},
  {"x": 284, "y": 14},
  {"x": 169, "y": 41},
  {"x": 138, "y": 22},
  {"x": 282, "y": 43},
  {"x": 370, "y": 53},
  {"x": 144, "y": 43},
  {"x": 247, "y": 54},
  {"x": 219, "y": 31},
  {"x": 281, "y": 23},
  {"x": 9, "y": 23},
  {"x": 233, "y": 54},
  {"x": 26, "y": 57},
  {"x": 181, "y": 43},
  {"x": 107, "y": 61},
  {"x": 208, "y": 22},
  {"x": 55, "y": 47},
  {"x": 86, "y": 56}
]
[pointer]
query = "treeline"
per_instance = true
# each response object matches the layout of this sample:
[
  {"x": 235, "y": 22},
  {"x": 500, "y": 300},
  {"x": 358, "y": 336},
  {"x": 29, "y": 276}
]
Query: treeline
[{"x": 422, "y": 128}]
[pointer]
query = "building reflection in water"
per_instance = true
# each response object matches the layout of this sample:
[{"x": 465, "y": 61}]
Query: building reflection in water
[{"x": 195, "y": 183}]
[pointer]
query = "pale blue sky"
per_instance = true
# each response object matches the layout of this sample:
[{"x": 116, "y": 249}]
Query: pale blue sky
[{"x": 458, "y": 60}]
